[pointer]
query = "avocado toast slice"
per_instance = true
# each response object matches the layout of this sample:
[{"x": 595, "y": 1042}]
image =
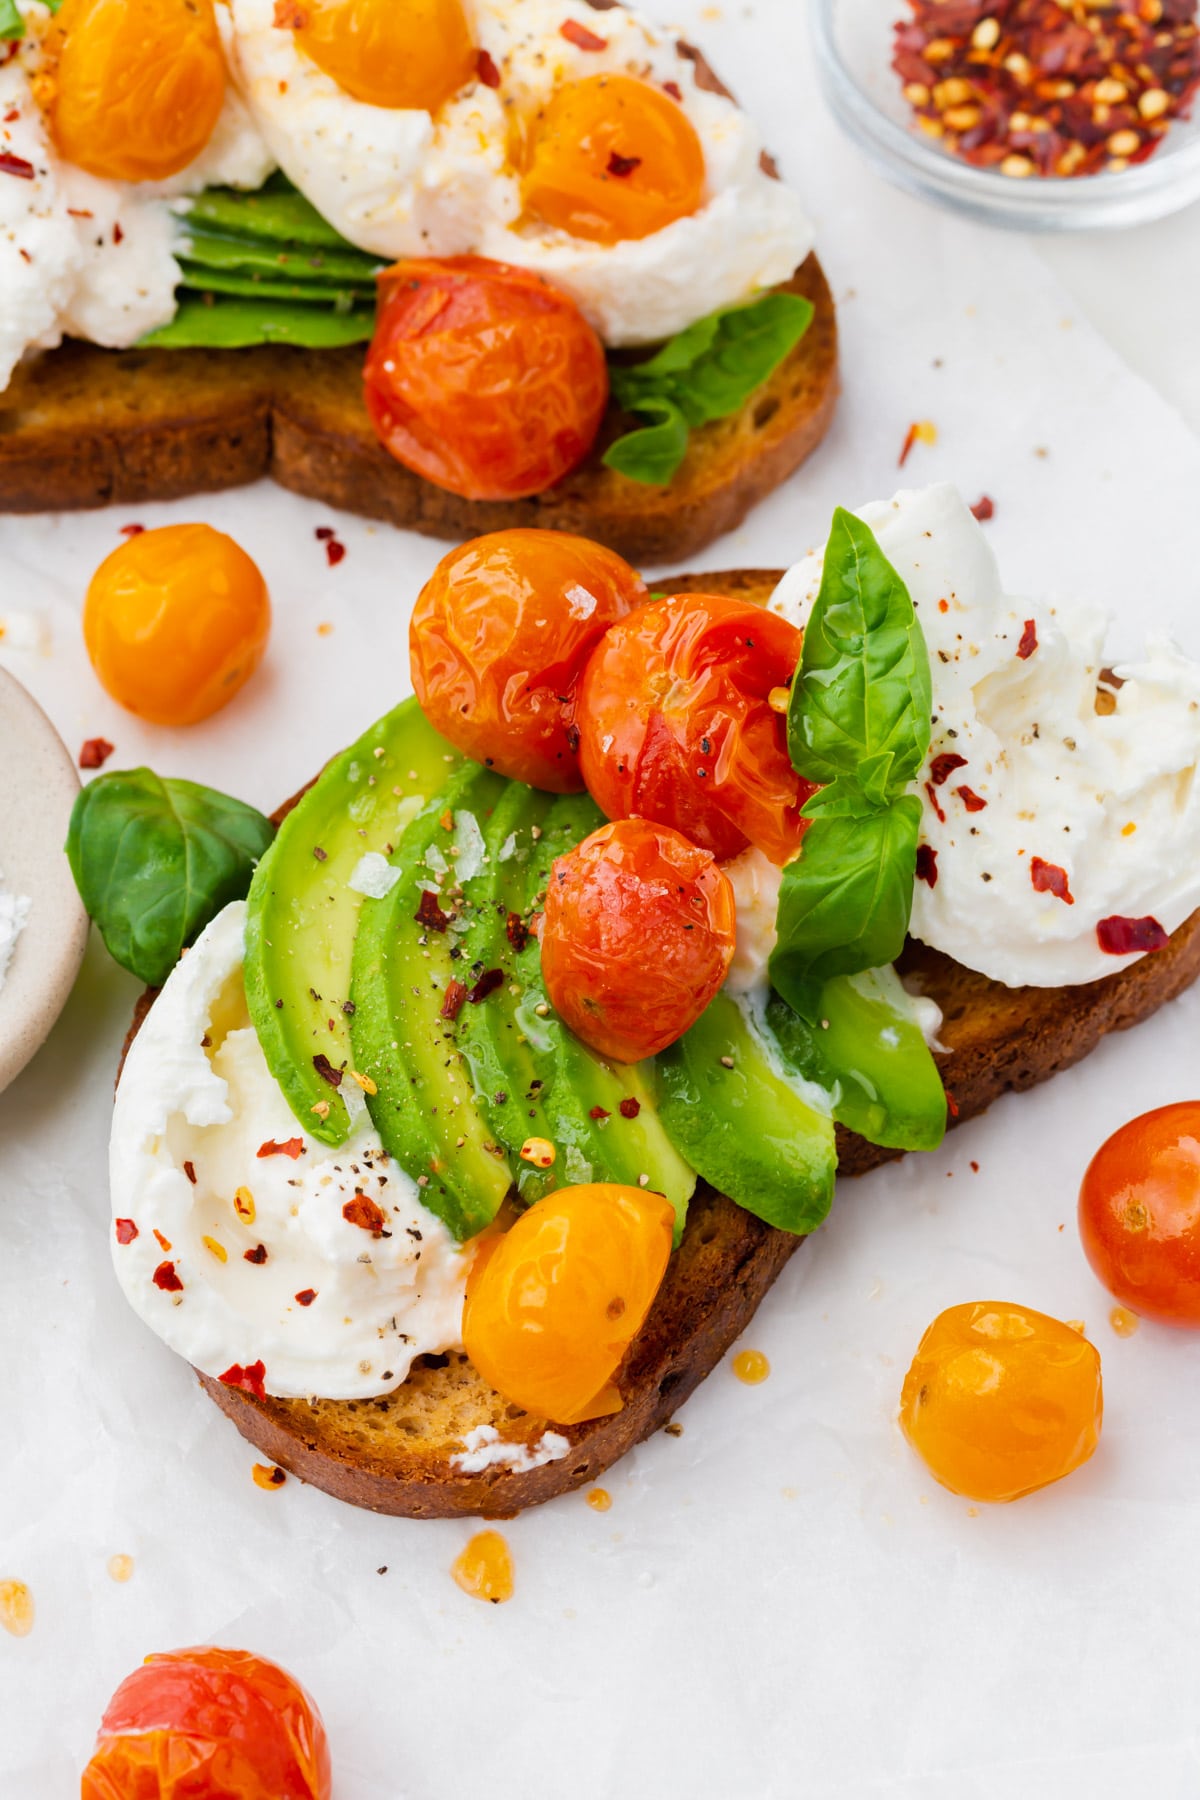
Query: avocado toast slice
[{"x": 397, "y": 1453}]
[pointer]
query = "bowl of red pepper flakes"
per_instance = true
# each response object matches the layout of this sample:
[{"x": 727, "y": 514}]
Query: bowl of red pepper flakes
[{"x": 1051, "y": 115}]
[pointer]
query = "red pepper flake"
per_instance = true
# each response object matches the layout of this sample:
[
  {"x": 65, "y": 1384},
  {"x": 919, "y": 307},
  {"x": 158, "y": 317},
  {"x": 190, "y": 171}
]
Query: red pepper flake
[
  {"x": 249, "y": 1379},
  {"x": 452, "y": 1000},
  {"x": 1049, "y": 878},
  {"x": 131, "y": 531},
  {"x": 166, "y": 1278},
  {"x": 163, "y": 1243},
  {"x": 951, "y": 1104},
  {"x": 598, "y": 1112},
  {"x": 910, "y": 439},
  {"x": 673, "y": 88},
  {"x": 974, "y": 1166},
  {"x": 306, "y": 1296},
  {"x": 944, "y": 765},
  {"x": 126, "y": 1231},
  {"x": 1126, "y": 937},
  {"x": 486, "y": 69},
  {"x": 1028, "y": 643},
  {"x": 581, "y": 37},
  {"x": 984, "y": 509},
  {"x": 935, "y": 802},
  {"x": 326, "y": 1070},
  {"x": 365, "y": 1214},
  {"x": 16, "y": 165},
  {"x": 927, "y": 870},
  {"x": 487, "y": 984},
  {"x": 95, "y": 753},
  {"x": 517, "y": 931},
  {"x": 118, "y": 234},
  {"x": 631, "y": 1106},
  {"x": 323, "y": 533},
  {"x": 80, "y": 212},
  {"x": 429, "y": 913},
  {"x": 189, "y": 1169},
  {"x": 257, "y": 1255},
  {"x": 293, "y": 1147},
  {"x": 971, "y": 800},
  {"x": 622, "y": 165},
  {"x": 11, "y": 117},
  {"x": 334, "y": 552}
]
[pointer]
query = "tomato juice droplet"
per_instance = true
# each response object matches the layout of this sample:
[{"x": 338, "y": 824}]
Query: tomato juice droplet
[
  {"x": 16, "y": 1608},
  {"x": 751, "y": 1366},
  {"x": 120, "y": 1568},
  {"x": 484, "y": 1568},
  {"x": 599, "y": 1499},
  {"x": 1123, "y": 1322}
]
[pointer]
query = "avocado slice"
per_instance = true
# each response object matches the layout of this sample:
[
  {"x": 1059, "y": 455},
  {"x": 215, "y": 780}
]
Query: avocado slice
[
  {"x": 863, "y": 1043},
  {"x": 302, "y": 914},
  {"x": 229, "y": 323},
  {"x": 406, "y": 955},
  {"x": 753, "y": 1126}
]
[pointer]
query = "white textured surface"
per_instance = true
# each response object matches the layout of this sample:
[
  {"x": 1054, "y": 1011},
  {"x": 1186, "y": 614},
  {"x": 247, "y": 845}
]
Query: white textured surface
[{"x": 781, "y": 1601}]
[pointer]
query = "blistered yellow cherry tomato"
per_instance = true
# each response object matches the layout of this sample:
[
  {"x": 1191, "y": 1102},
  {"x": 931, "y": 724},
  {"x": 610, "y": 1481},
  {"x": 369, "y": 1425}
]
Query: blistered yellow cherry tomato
[
  {"x": 554, "y": 1302},
  {"x": 1001, "y": 1400},
  {"x": 176, "y": 621}
]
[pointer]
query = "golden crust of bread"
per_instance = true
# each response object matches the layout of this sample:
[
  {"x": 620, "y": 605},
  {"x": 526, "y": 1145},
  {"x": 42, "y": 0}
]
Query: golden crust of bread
[
  {"x": 395, "y": 1454},
  {"x": 82, "y": 427}
]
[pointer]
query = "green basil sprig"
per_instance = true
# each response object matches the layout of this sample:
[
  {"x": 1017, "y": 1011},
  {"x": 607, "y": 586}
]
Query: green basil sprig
[
  {"x": 155, "y": 859},
  {"x": 859, "y": 723},
  {"x": 703, "y": 373},
  {"x": 12, "y": 25}
]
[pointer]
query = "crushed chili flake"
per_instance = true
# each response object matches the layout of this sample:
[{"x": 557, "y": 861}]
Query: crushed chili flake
[
  {"x": 486, "y": 69},
  {"x": 927, "y": 869},
  {"x": 1125, "y": 937},
  {"x": 334, "y": 552},
  {"x": 118, "y": 234},
  {"x": 1029, "y": 640},
  {"x": 364, "y": 1213},
  {"x": 429, "y": 913},
  {"x": 16, "y": 165},
  {"x": 249, "y": 1379},
  {"x": 581, "y": 37},
  {"x": 944, "y": 765},
  {"x": 1048, "y": 87},
  {"x": 257, "y": 1255},
  {"x": 984, "y": 509},
  {"x": 951, "y": 1104},
  {"x": 306, "y": 1296},
  {"x": 189, "y": 1169},
  {"x": 326, "y": 1070},
  {"x": 323, "y": 533},
  {"x": 971, "y": 800},
  {"x": 1049, "y": 878},
  {"x": 487, "y": 984},
  {"x": 166, "y": 1278},
  {"x": 922, "y": 431},
  {"x": 452, "y": 1000},
  {"x": 517, "y": 931},
  {"x": 630, "y": 1107},
  {"x": 622, "y": 165},
  {"x": 935, "y": 802},
  {"x": 293, "y": 1147},
  {"x": 95, "y": 753},
  {"x": 131, "y": 531},
  {"x": 266, "y": 1475},
  {"x": 163, "y": 1243},
  {"x": 673, "y": 88},
  {"x": 598, "y": 1112},
  {"x": 126, "y": 1231}
]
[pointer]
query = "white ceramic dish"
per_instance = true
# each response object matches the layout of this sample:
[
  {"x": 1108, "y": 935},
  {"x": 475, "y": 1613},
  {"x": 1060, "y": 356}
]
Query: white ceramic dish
[{"x": 38, "y": 785}]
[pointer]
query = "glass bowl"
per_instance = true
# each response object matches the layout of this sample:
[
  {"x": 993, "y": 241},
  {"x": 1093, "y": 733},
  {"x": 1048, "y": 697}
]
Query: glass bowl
[{"x": 853, "y": 41}]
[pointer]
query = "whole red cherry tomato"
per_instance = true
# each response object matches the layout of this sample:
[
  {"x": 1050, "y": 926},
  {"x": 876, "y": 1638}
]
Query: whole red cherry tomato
[
  {"x": 676, "y": 724},
  {"x": 498, "y": 640},
  {"x": 483, "y": 378},
  {"x": 1139, "y": 1214},
  {"x": 209, "y": 1724},
  {"x": 637, "y": 936}
]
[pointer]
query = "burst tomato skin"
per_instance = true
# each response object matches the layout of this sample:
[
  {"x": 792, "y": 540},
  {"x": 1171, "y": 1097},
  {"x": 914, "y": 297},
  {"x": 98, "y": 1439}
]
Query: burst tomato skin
[
  {"x": 676, "y": 726},
  {"x": 209, "y": 1724},
  {"x": 1001, "y": 1400},
  {"x": 498, "y": 640},
  {"x": 637, "y": 936},
  {"x": 1139, "y": 1214},
  {"x": 483, "y": 378},
  {"x": 175, "y": 622},
  {"x": 132, "y": 89},
  {"x": 554, "y": 1302}
]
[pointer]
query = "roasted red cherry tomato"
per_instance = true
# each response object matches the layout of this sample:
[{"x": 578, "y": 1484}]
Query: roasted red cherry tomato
[
  {"x": 676, "y": 724},
  {"x": 1139, "y": 1214},
  {"x": 209, "y": 1724},
  {"x": 637, "y": 936},
  {"x": 554, "y": 1302},
  {"x": 132, "y": 89},
  {"x": 414, "y": 55},
  {"x": 498, "y": 640},
  {"x": 483, "y": 378},
  {"x": 613, "y": 157}
]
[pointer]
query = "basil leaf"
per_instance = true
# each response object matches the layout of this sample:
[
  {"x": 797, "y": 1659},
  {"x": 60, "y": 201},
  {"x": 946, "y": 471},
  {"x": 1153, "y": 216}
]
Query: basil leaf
[
  {"x": 654, "y": 453},
  {"x": 705, "y": 372},
  {"x": 12, "y": 25},
  {"x": 846, "y": 899},
  {"x": 862, "y": 696},
  {"x": 155, "y": 859}
]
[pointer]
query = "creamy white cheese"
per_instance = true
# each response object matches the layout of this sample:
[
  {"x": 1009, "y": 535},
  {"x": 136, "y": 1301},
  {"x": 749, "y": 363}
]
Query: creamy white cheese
[
  {"x": 14, "y": 914},
  {"x": 402, "y": 183},
  {"x": 755, "y": 880},
  {"x": 1102, "y": 804},
  {"x": 484, "y": 1448},
  {"x": 236, "y": 1258}
]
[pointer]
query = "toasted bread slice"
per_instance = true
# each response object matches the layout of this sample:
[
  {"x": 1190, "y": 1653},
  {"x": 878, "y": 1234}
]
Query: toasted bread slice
[
  {"x": 395, "y": 1454},
  {"x": 83, "y": 427}
]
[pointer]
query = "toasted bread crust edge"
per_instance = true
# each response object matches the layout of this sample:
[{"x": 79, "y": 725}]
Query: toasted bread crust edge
[{"x": 999, "y": 1040}]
